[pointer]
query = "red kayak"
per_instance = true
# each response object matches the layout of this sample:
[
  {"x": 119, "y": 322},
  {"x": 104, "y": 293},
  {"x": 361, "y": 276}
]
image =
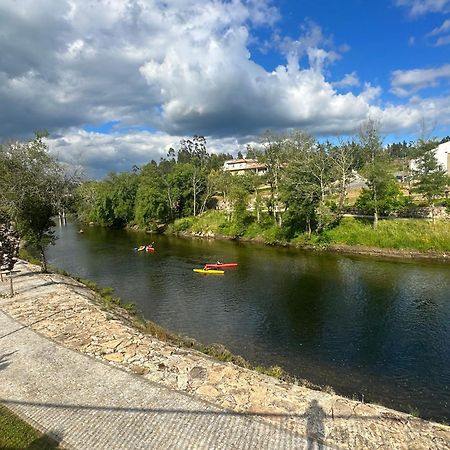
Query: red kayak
[{"x": 220, "y": 265}]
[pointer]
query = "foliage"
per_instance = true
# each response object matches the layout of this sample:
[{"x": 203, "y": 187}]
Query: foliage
[
  {"x": 380, "y": 181},
  {"x": 431, "y": 178},
  {"x": 390, "y": 198},
  {"x": 304, "y": 190},
  {"x": 33, "y": 188}
]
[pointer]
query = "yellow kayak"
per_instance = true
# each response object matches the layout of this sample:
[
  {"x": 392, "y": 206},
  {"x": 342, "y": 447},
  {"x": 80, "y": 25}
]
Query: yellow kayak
[{"x": 210, "y": 271}]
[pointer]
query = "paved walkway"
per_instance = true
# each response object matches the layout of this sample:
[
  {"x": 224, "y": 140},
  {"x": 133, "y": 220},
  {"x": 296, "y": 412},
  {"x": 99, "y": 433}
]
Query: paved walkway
[{"x": 88, "y": 404}]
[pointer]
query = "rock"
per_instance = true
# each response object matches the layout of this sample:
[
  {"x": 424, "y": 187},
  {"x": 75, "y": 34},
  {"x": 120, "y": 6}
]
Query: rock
[{"x": 115, "y": 357}]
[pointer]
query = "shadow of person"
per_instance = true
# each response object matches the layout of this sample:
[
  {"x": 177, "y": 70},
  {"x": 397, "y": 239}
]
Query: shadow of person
[{"x": 315, "y": 429}]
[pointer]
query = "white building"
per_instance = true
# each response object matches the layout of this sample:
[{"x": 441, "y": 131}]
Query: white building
[
  {"x": 241, "y": 166},
  {"x": 442, "y": 153}
]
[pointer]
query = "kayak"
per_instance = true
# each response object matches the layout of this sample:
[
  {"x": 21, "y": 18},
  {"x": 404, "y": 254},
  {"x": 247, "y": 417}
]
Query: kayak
[
  {"x": 210, "y": 271},
  {"x": 142, "y": 247},
  {"x": 220, "y": 265}
]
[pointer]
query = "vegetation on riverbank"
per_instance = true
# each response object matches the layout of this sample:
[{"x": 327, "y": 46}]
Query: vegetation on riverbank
[
  {"x": 17, "y": 434},
  {"x": 401, "y": 234},
  {"x": 299, "y": 196},
  {"x": 300, "y": 199}
]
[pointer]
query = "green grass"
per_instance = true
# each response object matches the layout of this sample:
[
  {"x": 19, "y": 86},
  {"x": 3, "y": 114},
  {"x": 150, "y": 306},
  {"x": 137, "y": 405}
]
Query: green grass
[
  {"x": 17, "y": 434},
  {"x": 216, "y": 222},
  {"x": 408, "y": 234},
  {"x": 402, "y": 234}
]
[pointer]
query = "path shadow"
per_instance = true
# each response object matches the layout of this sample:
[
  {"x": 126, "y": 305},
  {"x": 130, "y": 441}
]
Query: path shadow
[
  {"x": 4, "y": 361},
  {"x": 45, "y": 442}
]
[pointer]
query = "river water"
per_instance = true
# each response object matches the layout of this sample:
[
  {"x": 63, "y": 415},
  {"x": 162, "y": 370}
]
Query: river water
[{"x": 367, "y": 327}]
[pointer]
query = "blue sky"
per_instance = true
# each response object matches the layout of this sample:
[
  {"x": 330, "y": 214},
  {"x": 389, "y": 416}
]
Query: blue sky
[{"x": 118, "y": 82}]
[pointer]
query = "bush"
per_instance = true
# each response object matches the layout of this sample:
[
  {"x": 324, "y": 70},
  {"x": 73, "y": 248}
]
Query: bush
[{"x": 182, "y": 224}]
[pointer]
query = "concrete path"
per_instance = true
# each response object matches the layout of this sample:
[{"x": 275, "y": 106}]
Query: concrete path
[{"x": 88, "y": 404}]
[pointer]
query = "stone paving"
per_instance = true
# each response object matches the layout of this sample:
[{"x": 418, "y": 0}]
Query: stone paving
[
  {"x": 70, "y": 314},
  {"x": 87, "y": 404}
]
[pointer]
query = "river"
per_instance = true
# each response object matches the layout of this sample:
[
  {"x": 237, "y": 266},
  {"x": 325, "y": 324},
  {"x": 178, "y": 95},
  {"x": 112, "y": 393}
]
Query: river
[{"x": 366, "y": 327}]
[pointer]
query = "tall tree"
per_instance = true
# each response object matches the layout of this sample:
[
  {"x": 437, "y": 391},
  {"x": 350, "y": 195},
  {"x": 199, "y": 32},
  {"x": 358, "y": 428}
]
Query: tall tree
[
  {"x": 274, "y": 157},
  {"x": 342, "y": 159},
  {"x": 32, "y": 184},
  {"x": 432, "y": 179},
  {"x": 194, "y": 152},
  {"x": 376, "y": 169}
]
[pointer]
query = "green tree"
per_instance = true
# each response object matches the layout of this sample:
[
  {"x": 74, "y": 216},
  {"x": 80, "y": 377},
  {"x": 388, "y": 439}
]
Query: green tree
[
  {"x": 431, "y": 178},
  {"x": 32, "y": 187},
  {"x": 342, "y": 161},
  {"x": 193, "y": 152},
  {"x": 376, "y": 169},
  {"x": 306, "y": 182},
  {"x": 274, "y": 157},
  {"x": 152, "y": 205},
  {"x": 115, "y": 199}
]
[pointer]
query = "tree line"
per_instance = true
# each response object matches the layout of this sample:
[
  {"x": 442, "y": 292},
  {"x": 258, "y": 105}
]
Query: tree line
[{"x": 304, "y": 189}]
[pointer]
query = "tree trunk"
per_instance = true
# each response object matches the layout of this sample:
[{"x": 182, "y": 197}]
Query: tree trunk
[
  {"x": 11, "y": 284},
  {"x": 375, "y": 219},
  {"x": 43, "y": 260},
  {"x": 375, "y": 213},
  {"x": 194, "y": 185}
]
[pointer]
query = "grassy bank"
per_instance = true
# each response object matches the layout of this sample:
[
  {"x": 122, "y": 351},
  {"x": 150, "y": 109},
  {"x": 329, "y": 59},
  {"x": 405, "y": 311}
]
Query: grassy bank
[
  {"x": 403, "y": 234},
  {"x": 216, "y": 223},
  {"x": 17, "y": 434}
]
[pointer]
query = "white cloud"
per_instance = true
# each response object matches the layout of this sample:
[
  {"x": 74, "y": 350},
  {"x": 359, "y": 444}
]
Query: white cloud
[
  {"x": 443, "y": 33},
  {"x": 407, "y": 82},
  {"x": 182, "y": 67},
  {"x": 102, "y": 153},
  {"x": 421, "y": 7},
  {"x": 349, "y": 80},
  {"x": 444, "y": 28}
]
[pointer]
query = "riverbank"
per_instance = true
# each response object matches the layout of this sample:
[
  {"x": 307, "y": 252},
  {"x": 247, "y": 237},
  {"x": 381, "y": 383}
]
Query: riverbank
[
  {"x": 69, "y": 313},
  {"x": 404, "y": 238}
]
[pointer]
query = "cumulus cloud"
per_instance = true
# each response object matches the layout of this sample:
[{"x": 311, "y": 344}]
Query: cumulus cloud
[
  {"x": 349, "y": 80},
  {"x": 181, "y": 67},
  {"x": 96, "y": 154},
  {"x": 407, "y": 82}
]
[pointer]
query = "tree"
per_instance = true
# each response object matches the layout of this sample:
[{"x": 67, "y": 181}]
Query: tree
[
  {"x": 9, "y": 249},
  {"x": 32, "y": 186},
  {"x": 307, "y": 180},
  {"x": 153, "y": 200},
  {"x": 376, "y": 169},
  {"x": 431, "y": 178},
  {"x": 342, "y": 159},
  {"x": 193, "y": 151},
  {"x": 274, "y": 157}
]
